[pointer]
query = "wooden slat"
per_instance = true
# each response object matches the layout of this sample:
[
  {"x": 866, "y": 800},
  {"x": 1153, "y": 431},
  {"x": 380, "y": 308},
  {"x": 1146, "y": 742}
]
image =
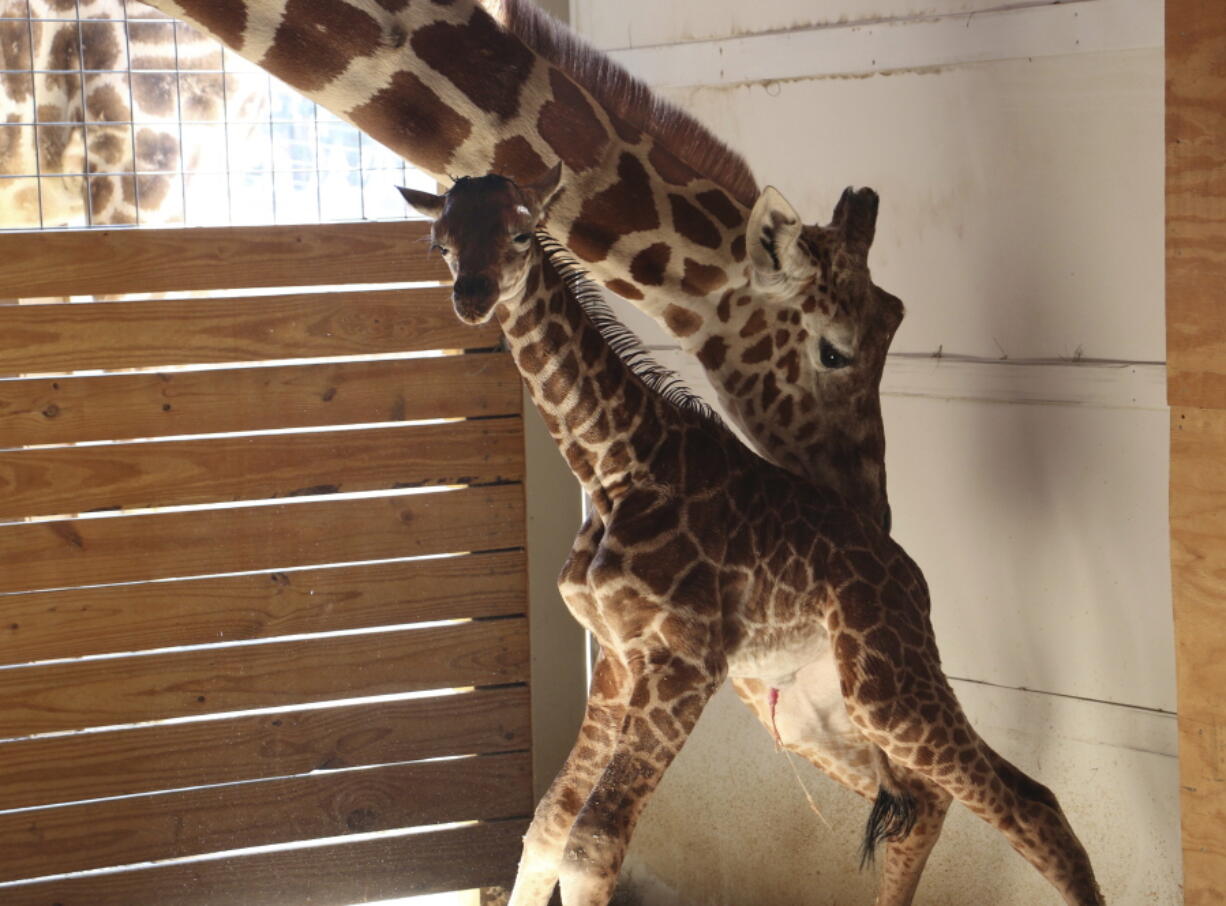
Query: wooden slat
[
  {"x": 80, "y": 694},
  {"x": 196, "y": 822},
  {"x": 1196, "y": 203},
  {"x": 122, "y": 406},
  {"x": 61, "y": 338},
  {"x": 79, "y": 622},
  {"x": 480, "y": 855},
  {"x": 1198, "y": 568},
  {"x": 70, "y": 480},
  {"x": 133, "y": 261},
  {"x": 143, "y": 759},
  {"x": 71, "y": 553}
]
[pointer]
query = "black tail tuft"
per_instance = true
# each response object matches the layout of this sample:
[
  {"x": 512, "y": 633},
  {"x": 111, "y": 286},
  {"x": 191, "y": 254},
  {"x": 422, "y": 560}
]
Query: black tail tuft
[{"x": 892, "y": 819}]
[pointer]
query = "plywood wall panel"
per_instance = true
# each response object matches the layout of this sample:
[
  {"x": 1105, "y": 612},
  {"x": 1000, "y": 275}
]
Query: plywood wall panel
[
  {"x": 1196, "y": 348},
  {"x": 1198, "y": 562},
  {"x": 1196, "y": 203}
]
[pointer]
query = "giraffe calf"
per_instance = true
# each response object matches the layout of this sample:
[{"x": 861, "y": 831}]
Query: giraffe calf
[{"x": 701, "y": 561}]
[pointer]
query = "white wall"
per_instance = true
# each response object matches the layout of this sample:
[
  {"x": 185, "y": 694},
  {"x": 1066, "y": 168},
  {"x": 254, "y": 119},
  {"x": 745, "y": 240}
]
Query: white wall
[{"x": 1019, "y": 158}]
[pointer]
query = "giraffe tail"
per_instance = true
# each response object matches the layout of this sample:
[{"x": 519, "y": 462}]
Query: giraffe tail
[{"x": 892, "y": 818}]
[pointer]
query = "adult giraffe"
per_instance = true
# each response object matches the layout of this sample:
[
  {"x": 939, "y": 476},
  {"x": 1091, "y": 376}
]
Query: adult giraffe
[{"x": 654, "y": 206}]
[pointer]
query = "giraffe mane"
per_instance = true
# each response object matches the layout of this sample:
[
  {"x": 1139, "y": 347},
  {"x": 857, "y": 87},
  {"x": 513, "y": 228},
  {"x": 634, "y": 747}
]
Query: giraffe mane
[
  {"x": 625, "y": 343},
  {"x": 628, "y": 97}
]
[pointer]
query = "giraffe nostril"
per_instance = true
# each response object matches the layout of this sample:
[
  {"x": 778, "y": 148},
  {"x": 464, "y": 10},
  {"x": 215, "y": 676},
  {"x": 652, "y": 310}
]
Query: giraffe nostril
[{"x": 477, "y": 287}]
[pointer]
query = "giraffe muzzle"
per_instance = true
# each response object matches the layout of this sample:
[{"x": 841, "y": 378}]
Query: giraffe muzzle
[{"x": 473, "y": 296}]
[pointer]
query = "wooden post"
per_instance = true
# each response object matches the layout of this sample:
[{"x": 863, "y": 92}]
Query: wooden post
[{"x": 1196, "y": 356}]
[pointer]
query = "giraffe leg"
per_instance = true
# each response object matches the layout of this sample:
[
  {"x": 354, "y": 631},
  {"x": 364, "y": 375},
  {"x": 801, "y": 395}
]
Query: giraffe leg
[
  {"x": 838, "y": 749},
  {"x": 906, "y": 857},
  {"x": 914, "y": 716},
  {"x": 665, "y": 703},
  {"x": 555, "y": 813},
  {"x": 551, "y": 825}
]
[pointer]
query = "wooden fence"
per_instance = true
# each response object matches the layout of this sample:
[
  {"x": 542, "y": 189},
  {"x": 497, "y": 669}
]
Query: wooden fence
[{"x": 224, "y": 677}]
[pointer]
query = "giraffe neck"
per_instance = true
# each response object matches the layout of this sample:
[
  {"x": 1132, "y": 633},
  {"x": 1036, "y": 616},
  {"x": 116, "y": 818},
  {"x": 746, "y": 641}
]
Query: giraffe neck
[
  {"x": 457, "y": 93},
  {"x": 603, "y": 416}
]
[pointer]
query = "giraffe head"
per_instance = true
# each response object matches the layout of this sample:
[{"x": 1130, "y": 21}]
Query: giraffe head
[
  {"x": 803, "y": 341},
  {"x": 822, "y": 272},
  {"x": 484, "y": 226}
]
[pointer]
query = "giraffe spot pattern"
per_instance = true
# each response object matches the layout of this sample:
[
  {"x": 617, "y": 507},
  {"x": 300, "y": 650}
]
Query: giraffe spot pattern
[
  {"x": 100, "y": 48},
  {"x": 317, "y": 40},
  {"x": 681, "y": 321},
  {"x": 569, "y": 125},
  {"x": 718, "y": 203},
  {"x": 702, "y": 279},
  {"x": 713, "y": 353},
  {"x": 227, "y": 19},
  {"x": 625, "y": 289},
  {"x": 15, "y": 52},
  {"x": 624, "y": 207},
  {"x": 649, "y": 266},
  {"x": 755, "y": 324},
  {"x": 410, "y": 118},
  {"x": 494, "y": 86},
  {"x": 693, "y": 224},
  {"x": 106, "y": 104},
  {"x": 759, "y": 352},
  {"x": 737, "y": 248},
  {"x": 517, "y": 160}
]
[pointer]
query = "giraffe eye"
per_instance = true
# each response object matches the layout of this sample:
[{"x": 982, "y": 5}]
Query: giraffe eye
[
  {"x": 522, "y": 238},
  {"x": 440, "y": 249},
  {"x": 830, "y": 357}
]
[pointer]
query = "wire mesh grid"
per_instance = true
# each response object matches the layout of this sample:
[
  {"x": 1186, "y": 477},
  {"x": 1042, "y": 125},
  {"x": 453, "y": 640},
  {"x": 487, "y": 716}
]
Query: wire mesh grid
[{"x": 112, "y": 114}]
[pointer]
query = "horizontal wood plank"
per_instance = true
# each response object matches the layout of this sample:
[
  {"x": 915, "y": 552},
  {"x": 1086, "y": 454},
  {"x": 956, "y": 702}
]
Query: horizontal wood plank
[
  {"x": 91, "y": 621},
  {"x": 479, "y": 855},
  {"x": 143, "y": 759},
  {"x": 80, "y": 694},
  {"x": 197, "y": 822},
  {"x": 71, "y": 480},
  {"x": 124, "y": 406},
  {"x": 96, "y": 262},
  {"x": 97, "y": 551},
  {"x": 44, "y": 339}
]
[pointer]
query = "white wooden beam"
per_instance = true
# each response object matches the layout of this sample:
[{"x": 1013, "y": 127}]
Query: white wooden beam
[{"x": 859, "y": 49}]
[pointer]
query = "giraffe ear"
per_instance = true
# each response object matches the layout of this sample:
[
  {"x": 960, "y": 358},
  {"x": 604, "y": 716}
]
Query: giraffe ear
[
  {"x": 544, "y": 189},
  {"x": 423, "y": 202},
  {"x": 774, "y": 239}
]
